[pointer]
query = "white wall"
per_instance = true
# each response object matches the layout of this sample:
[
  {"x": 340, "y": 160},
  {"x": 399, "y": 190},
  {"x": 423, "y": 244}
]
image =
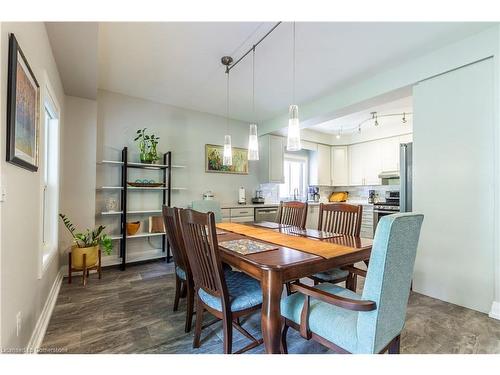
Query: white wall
[
  {"x": 22, "y": 290},
  {"x": 454, "y": 182},
  {"x": 185, "y": 133},
  {"x": 78, "y": 166}
]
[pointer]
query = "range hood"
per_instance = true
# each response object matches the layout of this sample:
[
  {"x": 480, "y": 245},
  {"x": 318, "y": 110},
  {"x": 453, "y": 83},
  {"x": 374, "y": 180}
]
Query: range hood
[{"x": 388, "y": 174}]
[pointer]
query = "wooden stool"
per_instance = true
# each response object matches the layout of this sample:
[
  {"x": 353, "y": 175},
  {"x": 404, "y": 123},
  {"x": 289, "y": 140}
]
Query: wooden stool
[{"x": 85, "y": 270}]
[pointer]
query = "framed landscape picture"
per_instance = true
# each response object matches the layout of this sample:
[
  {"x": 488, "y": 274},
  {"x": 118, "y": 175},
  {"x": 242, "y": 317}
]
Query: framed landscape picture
[
  {"x": 213, "y": 160},
  {"x": 23, "y": 93}
]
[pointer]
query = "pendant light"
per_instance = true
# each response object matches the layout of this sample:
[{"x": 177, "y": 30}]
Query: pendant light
[
  {"x": 253, "y": 141},
  {"x": 227, "y": 157},
  {"x": 293, "y": 139}
]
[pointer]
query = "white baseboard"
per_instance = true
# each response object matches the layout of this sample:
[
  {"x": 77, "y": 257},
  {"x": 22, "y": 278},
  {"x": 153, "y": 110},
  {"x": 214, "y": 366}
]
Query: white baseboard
[
  {"x": 43, "y": 321},
  {"x": 495, "y": 310}
]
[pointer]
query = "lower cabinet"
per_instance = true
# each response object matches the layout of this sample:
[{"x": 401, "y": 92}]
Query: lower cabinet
[
  {"x": 312, "y": 217},
  {"x": 237, "y": 215}
]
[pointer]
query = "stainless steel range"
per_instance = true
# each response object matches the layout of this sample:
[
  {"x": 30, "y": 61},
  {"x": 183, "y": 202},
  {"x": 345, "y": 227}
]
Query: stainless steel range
[{"x": 390, "y": 206}]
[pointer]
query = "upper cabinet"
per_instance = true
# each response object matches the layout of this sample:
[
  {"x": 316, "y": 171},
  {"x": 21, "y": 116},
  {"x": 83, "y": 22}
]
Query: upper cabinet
[
  {"x": 365, "y": 163},
  {"x": 340, "y": 166},
  {"x": 389, "y": 154},
  {"x": 320, "y": 166},
  {"x": 271, "y": 164}
]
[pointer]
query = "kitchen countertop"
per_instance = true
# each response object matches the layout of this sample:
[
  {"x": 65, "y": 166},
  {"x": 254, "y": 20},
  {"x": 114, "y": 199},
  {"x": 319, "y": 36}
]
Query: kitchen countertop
[{"x": 261, "y": 205}]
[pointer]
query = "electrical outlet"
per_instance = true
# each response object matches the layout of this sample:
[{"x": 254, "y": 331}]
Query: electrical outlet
[{"x": 19, "y": 322}]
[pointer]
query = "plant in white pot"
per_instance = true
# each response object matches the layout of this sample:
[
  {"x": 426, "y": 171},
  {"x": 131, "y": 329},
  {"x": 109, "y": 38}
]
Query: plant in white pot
[{"x": 88, "y": 243}]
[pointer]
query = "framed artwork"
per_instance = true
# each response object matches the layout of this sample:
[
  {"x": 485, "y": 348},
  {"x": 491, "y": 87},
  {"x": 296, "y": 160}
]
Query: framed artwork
[
  {"x": 213, "y": 160},
  {"x": 23, "y": 95}
]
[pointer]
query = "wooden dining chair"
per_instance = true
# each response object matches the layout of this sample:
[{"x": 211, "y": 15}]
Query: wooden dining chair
[
  {"x": 347, "y": 322},
  {"x": 226, "y": 294},
  {"x": 184, "y": 285},
  {"x": 292, "y": 213},
  {"x": 341, "y": 218}
]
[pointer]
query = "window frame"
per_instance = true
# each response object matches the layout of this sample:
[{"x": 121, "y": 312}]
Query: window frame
[
  {"x": 297, "y": 158},
  {"x": 49, "y": 103}
]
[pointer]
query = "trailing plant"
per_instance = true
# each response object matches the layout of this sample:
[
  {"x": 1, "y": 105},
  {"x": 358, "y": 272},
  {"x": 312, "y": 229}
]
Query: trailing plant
[
  {"x": 147, "y": 146},
  {"x": 89, "y": 238}
]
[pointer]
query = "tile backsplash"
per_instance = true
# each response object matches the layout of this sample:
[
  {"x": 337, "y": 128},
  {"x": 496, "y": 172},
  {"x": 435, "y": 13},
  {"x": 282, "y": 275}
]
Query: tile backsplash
[
  {"x": 270, "y": 192},
  {"x": 361, "y": 192}
]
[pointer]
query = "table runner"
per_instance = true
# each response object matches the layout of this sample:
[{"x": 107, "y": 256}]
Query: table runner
[{"x": 323, "y": 249}]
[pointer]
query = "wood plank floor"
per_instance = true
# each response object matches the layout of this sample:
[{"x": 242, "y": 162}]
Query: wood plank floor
[{"x": 131, "y": 312}]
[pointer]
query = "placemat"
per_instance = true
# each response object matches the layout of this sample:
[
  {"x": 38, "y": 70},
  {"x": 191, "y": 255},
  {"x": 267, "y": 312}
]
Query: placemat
[
  {"x": 245, "y": 247},
  {"x": 314, "y": 233},
  {"x": 321, "y": 248},
  {"x": 270, "y": 225}
]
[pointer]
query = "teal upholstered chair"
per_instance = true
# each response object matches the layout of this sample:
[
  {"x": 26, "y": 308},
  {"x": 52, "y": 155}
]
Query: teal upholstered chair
[
  {"x": 208, "y": 206},
  {"x": 369, "y": 323}
]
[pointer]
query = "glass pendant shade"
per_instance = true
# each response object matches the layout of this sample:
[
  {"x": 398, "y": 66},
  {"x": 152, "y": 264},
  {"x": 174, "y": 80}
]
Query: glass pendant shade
[
  {"x": 293, "y": 140},
  {"x": 227, "y": 157},
  {"x": 253, "y": 143}
]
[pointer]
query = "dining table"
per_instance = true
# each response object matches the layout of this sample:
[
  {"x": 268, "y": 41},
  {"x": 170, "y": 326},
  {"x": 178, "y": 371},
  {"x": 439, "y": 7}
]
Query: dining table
[{"x": 282, "y": 264}]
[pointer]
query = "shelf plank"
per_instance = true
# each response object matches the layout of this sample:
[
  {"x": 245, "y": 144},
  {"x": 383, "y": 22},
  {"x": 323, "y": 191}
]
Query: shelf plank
[
  {"x": 138, "y": 212},
  {"x": 142, "y": 165},
  {"x": 139, "y": 188},
  {"x": 139, "y": 235}
]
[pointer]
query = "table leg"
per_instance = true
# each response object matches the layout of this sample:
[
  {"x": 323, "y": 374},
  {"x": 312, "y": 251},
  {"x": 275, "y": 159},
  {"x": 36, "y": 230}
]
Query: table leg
[{"x": 272, "y": 287}]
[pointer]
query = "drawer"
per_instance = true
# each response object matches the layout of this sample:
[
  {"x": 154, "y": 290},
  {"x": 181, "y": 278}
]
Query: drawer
[
  {"x": 241, "y": 219},
  {"x": 237, "y": 212},
  {"x": 226, "y": 212}
]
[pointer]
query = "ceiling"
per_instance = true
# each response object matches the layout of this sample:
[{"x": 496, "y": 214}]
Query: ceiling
[
  {"x": 74, "y": 45},
  {"x": 179, "y": 63},
  {"x": 349, "y": 124}
]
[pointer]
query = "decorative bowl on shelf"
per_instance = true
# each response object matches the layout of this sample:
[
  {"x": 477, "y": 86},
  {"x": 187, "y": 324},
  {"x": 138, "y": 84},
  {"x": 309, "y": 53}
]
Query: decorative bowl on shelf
[
  {"x": 133, "y": 227},
  {"x": 145, "y": 183}
]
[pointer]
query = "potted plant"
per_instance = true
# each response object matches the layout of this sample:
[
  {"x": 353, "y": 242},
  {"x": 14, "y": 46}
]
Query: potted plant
[
  {"x": 87, "y": 243},
  {"x": 147, "y": 146}
]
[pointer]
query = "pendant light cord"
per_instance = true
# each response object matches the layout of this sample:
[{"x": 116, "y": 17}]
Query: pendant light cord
[
  {"x": 253, "y": 82},
  {"x": 227, "y": 102},
  {"x": 293, "y": 79}
]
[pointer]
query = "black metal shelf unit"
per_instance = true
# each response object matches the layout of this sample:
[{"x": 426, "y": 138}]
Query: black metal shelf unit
[{"x": 166, "y": 192}]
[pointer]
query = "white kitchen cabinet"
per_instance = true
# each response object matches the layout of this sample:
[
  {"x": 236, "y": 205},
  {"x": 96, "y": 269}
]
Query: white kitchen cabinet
[
  {"x": 365, "y": 166},
  {"x": 389, "y": 154},
  {"x": 324, "y": 165},
  {"x": 271, "y": 166},
  {"x": 356, "y": 161},
  {"x": 371, "y": 164},
  {"x": 320, "y": 166},
  {"x": 340, "y": 166},
  {"x": 406, "y": 138},
  {"x": 312, "y": 216}
]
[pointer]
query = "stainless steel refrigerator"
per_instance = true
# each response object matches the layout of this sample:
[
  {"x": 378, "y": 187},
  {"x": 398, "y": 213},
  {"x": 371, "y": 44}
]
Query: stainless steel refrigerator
[{"x": 406, "y": 176}]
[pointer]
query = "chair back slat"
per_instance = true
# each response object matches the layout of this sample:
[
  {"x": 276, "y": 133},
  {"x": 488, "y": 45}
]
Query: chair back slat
[
  {"x": 292, "y": 213},
  {"x": 174, "y": 238},
  {"x": 199, "y": 234},
  {"x": 340, "y": 218}
]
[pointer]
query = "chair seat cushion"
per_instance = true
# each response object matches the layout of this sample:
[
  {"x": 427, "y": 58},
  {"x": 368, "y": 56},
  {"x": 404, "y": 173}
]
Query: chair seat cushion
[
  {"x": 244, "y": 292},
  {"x": 180, "y": 272},
  {"x": 333, "y": 274},
  {"x": 333, "y": 323}
]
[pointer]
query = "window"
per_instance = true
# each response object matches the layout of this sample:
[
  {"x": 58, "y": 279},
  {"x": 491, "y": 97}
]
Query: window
[
  {"x": 50, "y": 180},
  {"x": 295, "y": 177}
]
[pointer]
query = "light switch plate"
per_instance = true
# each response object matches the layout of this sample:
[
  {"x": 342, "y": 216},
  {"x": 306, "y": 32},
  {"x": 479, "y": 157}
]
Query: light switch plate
[{"x": 3, "y": 194}]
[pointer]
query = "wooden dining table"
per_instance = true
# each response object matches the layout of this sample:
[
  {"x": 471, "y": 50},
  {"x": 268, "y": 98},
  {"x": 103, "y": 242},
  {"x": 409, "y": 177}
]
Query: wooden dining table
[{"x": 274, "y": 268}]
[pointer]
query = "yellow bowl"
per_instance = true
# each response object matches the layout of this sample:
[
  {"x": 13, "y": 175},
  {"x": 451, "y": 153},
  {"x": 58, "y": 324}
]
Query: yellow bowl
[{"x": 133, "y": 227}]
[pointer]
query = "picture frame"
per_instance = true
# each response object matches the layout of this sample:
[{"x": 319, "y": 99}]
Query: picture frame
[
  {"x": 213, "y": 160},
  {"x": 23, "y": 110}
]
